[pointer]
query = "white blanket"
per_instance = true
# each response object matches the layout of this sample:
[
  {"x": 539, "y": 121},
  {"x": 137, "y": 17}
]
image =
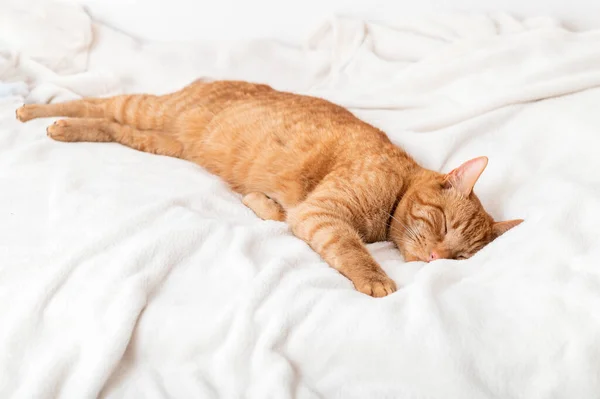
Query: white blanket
[{"x": 124, "y": 274}]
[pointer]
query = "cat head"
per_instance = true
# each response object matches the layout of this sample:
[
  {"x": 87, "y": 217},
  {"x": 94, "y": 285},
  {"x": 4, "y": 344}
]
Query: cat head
[{"x": 439, "y": 216}]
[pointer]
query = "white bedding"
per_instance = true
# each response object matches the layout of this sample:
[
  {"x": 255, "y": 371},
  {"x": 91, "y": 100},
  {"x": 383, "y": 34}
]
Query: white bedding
[{"x": 124, "y": 274}]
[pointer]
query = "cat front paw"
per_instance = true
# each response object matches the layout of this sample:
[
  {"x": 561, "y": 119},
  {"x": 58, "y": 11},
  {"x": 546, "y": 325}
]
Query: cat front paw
[{"x": 376, "y": 284}]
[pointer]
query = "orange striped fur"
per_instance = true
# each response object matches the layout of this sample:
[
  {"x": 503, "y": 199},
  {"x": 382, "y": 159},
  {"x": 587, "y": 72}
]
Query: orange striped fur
[{"x": 338, "y": 181}]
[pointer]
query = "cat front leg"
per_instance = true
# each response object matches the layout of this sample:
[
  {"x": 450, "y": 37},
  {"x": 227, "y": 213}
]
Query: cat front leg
[
  {"x": 264, "y": 207},
  {"x": 340, "y": 245}
]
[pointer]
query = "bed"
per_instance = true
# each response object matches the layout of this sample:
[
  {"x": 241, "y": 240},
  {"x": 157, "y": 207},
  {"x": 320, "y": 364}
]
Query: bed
[{"x": 129, "y": 275}]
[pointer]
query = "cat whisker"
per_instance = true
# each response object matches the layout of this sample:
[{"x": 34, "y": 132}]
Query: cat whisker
[
  {"x": 410, "y": 234},
  {"x": 408, "y": 229}
]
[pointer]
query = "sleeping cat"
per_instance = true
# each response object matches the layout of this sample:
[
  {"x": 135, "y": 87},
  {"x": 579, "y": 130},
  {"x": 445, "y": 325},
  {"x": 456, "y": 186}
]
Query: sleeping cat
[{"x": 336, "y": 180}]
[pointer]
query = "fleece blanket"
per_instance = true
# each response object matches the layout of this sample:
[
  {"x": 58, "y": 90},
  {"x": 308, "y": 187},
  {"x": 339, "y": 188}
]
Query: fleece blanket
[{"x": 129, "y": 275}]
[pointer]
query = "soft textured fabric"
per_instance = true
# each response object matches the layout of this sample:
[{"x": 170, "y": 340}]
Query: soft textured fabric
[{"x": 124, "y": 274}]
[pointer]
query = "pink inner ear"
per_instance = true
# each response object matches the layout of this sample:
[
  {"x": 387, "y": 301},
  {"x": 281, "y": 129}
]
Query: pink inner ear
[{"x": 465, "y": 176}]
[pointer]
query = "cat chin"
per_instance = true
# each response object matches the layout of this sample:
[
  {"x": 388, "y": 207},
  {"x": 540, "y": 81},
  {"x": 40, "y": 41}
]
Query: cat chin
[{"x": 412, "y": 258}]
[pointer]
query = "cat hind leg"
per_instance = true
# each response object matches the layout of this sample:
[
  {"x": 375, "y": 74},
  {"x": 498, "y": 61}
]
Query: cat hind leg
[{"x": 101, "y": 130}]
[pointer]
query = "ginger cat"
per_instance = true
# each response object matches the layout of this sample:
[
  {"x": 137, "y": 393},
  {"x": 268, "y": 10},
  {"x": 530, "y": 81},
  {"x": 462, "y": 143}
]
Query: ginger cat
[{"x": 336, "y": 180}]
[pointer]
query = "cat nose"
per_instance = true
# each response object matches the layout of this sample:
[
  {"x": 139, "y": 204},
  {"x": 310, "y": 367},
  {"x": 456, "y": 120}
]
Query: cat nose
[{"x": 434, "y": 256}]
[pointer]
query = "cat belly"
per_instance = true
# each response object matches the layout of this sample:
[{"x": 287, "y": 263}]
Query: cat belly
[
  {"x": 257, "y": 165},
  {"x": 280, "y": 146}
]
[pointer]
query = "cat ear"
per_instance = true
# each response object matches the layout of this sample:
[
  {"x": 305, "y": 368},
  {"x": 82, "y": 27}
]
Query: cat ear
[
  {"x": 465, "y": 176},
  {"x": 499, "y": 228}
]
